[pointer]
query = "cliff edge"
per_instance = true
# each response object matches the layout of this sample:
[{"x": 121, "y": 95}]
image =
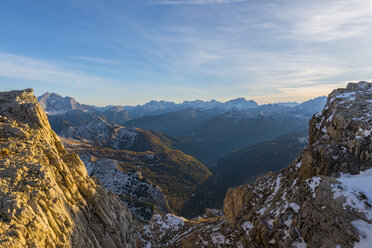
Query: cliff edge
[{"x": 47, "y": 198}]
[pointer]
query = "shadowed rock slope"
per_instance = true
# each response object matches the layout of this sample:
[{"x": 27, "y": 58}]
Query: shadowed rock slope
[
  {"x": 322, "y": 199},
  {"x": 47, "y": 198}
]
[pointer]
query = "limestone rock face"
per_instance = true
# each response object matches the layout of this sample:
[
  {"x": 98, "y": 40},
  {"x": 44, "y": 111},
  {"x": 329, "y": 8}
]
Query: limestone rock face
[
  {"x": 340, "y": 137},
  {"x": 47, "y": 198},
  {"x": 322, "y": 199}
]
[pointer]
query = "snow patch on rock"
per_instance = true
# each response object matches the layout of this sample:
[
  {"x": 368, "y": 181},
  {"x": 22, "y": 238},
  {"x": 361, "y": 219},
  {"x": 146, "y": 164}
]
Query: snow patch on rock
[{"x": 313, "y": 183}]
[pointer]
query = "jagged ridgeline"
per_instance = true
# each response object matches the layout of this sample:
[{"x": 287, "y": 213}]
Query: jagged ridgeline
[
  {"x": 47, "y": 198},
  {"x": 322, "y": 199},
  {"x": 205, "y": 130}
]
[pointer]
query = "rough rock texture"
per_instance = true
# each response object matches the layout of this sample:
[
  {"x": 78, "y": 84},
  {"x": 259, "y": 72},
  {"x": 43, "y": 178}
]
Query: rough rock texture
[
  {"x": 340, "y": 137},
  {"x": 141, "y": 196},
  {"x": 47, "y": 198},
  {"x": 174, "y": 231},
  {"x": 322, "y": 199},
  {"x": 102, "y": 132}
]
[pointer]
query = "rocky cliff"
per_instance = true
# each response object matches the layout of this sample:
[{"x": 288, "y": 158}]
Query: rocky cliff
[
  {"x": 47, "y": 198},
  {"x": 322, "y": 199}
]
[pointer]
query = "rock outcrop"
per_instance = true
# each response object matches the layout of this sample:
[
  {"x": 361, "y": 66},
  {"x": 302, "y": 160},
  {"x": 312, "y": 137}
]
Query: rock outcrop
[
  {"x": 47, "y": 198},
  {"x": 322, "y": 199}
]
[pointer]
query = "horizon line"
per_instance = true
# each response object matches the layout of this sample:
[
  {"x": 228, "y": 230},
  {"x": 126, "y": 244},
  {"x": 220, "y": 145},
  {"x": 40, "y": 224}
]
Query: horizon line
[{"x": 181, "y": 102}]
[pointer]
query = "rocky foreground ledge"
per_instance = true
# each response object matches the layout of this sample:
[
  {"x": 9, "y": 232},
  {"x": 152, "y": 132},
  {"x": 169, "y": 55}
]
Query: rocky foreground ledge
[
  {"x": 322, "y": 199},
  {"x": 47, "y": 198}
]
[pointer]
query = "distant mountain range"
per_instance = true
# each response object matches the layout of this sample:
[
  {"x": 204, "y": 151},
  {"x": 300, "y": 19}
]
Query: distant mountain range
[
  {"x": 208, "y": 129},
  {"x": 55, "y": 104},
  {"x": 216, "y": 132}
]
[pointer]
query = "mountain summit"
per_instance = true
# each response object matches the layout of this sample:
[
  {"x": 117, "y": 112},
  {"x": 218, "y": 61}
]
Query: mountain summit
[{"x": 54, "y": 104}]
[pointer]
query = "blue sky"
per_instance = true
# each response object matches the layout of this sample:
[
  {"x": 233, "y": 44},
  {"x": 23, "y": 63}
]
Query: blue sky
[{"x": 131, "y": 51}]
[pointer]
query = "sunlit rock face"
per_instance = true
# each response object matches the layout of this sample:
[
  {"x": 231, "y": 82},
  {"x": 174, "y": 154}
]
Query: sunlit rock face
[
  {"x": 322, "y": 199},
  {"x": 47, "y": 198}
]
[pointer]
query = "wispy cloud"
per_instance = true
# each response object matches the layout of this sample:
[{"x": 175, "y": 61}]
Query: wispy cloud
[
  {"x": 287, "y": 53},
  {"x": 94, "y": 60},
  {"x": 20, "y": 67},
  {"x": 195, "y": 2},
  {"x": 322, "y": 21}
]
